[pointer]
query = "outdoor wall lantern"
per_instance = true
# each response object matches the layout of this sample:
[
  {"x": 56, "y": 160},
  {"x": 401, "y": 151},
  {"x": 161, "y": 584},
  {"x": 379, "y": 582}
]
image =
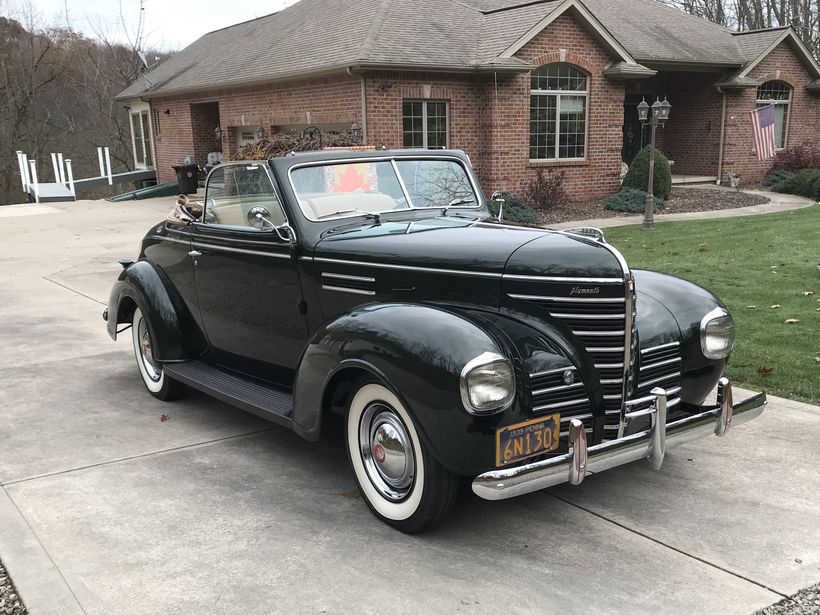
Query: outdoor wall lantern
[
  {"x": 356, "y": 131},
  {"x": 260, "y": 133},
  {"x": 219, "y": 133},
  {"x": 654, "y": 116}
]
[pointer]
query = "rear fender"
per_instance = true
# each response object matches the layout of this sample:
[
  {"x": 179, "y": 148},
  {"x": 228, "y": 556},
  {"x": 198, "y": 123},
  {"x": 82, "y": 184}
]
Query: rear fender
[{"x": 174, "y": 332}]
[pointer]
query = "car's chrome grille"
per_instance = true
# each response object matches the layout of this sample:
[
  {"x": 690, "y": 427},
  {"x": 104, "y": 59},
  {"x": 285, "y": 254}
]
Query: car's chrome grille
[
  {"x": 660, "y": 366},
  {"x": 600, "y": 325},
  {"x": 550, "y": 395}
]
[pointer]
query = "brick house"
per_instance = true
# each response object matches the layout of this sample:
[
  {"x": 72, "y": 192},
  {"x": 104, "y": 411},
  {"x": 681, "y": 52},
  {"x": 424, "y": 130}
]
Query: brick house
[{"x": 517, "y": 84}]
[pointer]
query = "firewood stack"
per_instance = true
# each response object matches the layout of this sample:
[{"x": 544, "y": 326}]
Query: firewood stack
[{"x": 283, "y": 144}]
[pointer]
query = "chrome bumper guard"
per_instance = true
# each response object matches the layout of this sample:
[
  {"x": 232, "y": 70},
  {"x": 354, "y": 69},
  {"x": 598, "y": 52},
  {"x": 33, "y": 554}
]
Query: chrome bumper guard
[{"x": 580, "y": 461}]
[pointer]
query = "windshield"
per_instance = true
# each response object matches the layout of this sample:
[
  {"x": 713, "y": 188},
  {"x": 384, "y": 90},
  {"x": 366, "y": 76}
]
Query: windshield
[{"x": 354, "y": 188}]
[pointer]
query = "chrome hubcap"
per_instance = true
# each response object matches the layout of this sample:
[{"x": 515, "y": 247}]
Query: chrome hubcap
[
  {"x": 387, "y": 451},
  {"x": 146, "y": 354}
]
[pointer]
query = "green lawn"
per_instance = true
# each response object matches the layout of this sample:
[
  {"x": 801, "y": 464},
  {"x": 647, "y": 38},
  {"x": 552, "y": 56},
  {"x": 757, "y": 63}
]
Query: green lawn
[{"x": 756, "y": 261}]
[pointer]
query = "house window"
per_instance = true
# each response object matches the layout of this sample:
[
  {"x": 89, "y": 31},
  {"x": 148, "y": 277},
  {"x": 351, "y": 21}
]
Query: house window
[
  {"x": 779, "y": 94},
  {"x": 559, "y": 99},
  {"x": 425, "y": 124},
  {"x": 141, "y": 139}
]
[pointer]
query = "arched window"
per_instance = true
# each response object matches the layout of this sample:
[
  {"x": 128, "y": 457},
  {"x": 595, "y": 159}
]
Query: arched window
[
  {"x": 779, "y": 94},
  {"x": 559, "y": 95}
]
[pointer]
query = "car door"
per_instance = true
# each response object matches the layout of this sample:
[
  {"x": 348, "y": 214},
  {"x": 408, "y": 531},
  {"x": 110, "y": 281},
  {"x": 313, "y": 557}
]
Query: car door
[{"x": 248, "y": 285}]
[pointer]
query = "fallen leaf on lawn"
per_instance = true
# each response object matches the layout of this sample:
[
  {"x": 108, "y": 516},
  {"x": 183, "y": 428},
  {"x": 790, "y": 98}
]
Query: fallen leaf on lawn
[
  {"x": 751, "y": 307},
  {"x": 688, "y": 270},
  {"x": 817, "y": 357},
  {"x": 772, "y": 266},
  {"x": 791, "y": 321},
  {"x": 776, "y": 306},
  {"x": 765, "y": 370},
  {"x": 164, "y": 418},
  {"x": 807, "y": 293},
  {"x": 703, "y": 248}
]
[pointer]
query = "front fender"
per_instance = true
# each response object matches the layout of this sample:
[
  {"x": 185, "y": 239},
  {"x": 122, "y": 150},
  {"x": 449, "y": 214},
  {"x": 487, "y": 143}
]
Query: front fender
[
  {"x": 419, "y": 351},
  {"x": 688, "y": 303},
  {"x": 174, "y": 333}
]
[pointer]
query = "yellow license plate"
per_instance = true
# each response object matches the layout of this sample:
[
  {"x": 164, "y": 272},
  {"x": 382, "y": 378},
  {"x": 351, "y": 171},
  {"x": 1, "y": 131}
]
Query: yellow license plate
[{"x": 529, "y": 439}]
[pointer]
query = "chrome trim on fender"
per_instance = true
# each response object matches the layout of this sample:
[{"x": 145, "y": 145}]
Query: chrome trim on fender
[
  {"x": 661, "y": 347},
  {"x": 345, "y": 289},
  {"x": 209, "y": 246},
  {"x": 552, "y": 371},
  {"x": 567, "y": 299},
  {"x": 553, "y": 278},
  {"x": 338, "y": 261},
  {"x": 580, "y": 461},
  {"x": 344, "y": 276}
]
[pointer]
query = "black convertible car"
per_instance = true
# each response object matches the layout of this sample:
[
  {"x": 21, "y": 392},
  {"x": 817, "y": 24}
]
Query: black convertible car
[{"x": 377, "y": 285}]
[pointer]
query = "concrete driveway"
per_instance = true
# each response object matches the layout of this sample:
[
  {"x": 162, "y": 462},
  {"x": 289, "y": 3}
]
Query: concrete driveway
[{"x": 108, "y": 508}]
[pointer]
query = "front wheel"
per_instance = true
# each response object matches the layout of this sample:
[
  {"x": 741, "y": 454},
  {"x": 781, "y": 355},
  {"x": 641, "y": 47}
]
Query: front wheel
[
  {"x": 160, "y": 386},
  {"x": 399, "y": 479}
]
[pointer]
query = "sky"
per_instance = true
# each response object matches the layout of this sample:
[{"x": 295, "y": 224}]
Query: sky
[{"x": 169, "y": 24}]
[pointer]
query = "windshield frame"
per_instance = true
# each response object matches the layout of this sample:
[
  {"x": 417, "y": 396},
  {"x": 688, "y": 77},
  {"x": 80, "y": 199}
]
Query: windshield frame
[{"x": 393, "y": 160}]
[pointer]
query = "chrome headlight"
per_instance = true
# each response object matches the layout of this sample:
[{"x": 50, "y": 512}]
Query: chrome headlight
[
  {"x": 717, "y": 334},
  {"x": 487, "y": 384}
]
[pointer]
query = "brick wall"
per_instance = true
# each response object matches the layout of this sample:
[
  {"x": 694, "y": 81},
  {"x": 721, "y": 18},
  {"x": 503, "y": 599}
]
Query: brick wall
[
  {"x": 804, "y": 123},
  {"x": 334, "y": 99},
  {"x": 204, "y": 119}
]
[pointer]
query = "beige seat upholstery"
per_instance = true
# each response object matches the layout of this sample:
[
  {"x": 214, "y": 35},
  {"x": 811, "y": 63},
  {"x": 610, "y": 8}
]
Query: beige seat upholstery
[{"x": 326, "y": 203}]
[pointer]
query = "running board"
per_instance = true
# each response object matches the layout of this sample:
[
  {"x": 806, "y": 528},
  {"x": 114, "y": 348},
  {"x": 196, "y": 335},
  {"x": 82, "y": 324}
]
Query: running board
[{"x": 266, "y": 402}]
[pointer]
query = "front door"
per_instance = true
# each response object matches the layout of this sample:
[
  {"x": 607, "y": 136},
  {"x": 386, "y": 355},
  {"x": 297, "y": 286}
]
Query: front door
[
  {"x": 635, "y": 133},
  {"x": 248, "y": 285}
]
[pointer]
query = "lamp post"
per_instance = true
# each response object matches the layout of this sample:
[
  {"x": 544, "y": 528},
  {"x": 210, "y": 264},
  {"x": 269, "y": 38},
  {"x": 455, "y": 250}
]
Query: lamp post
[{"x": 653, "y": 116}]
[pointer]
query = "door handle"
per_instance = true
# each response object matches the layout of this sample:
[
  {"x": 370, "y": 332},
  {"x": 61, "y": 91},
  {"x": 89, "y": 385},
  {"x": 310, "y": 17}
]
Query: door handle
[{"x": 194, "y": 253}]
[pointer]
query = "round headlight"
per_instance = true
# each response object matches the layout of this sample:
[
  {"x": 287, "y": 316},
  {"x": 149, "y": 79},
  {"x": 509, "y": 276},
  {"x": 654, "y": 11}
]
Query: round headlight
[
  {"x": 717, "y": 334},
  {"x": 487, "y": 384}
]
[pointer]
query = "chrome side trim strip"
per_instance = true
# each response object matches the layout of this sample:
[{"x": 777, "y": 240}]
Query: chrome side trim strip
[
  {"x": 565, "y": 299},
  {"x": 171, "y": 239},
  {"x": 613, "y": 398},
  {"x": 564, "y": 387},
  {"x": 588, "y": 316},
  {"x": 551, "y": 278},
  {"x": 345, "y": 289},
  {"x": 563, "y": 404},
  {"x": 612, "y": 381},
  {"x": 617, "y": 349},
  {"x": 552, "y": 371},
  {"x": 661, "y": 347},
  {"x": 580, "y": 417},
  {"x": 209, "y": 246},
  {"x": 479, "y": 274},
  {"x": 599, "y": 333},
  {"x": 608, "y": 365},
  {"x": 342, "y": 276}
]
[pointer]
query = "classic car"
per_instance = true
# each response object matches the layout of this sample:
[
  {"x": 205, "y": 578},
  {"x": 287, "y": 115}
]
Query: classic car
[{"x": 378, "y": 286}]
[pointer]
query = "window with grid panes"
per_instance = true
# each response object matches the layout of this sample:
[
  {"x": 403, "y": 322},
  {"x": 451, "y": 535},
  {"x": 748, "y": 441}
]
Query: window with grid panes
[
  {"x": 425, "y": 123},
  {"x": 779, "y": 94},
  {"x": 558, "y": 112}
]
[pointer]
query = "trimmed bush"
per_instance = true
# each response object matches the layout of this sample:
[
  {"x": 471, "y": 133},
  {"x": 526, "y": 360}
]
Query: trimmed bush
[
  {"x": 546, "y": 189},
  {"x": 515, "y": 210},
  {"x": 776, "y": 176},
  {"x": 638, "y": 175},
  {"x": 798, "y": 157},
  {"x": 632, "y": 201},
  {"x": 805, "y": 183}
]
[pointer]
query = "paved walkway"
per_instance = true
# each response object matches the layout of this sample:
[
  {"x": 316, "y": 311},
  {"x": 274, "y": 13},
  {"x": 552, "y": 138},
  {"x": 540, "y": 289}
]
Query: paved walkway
[{"x": 777, "y": 203}]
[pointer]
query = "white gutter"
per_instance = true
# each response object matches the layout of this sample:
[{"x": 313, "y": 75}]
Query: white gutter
[{"x": 722, "y": 137}]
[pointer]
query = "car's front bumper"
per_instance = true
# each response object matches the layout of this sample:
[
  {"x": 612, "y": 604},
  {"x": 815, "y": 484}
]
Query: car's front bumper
[{"x": 651, "y": 444}]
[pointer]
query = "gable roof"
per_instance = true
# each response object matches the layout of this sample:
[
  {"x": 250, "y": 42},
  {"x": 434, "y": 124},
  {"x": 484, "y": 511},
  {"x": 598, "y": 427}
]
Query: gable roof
[{"x": 439, "y": 35}]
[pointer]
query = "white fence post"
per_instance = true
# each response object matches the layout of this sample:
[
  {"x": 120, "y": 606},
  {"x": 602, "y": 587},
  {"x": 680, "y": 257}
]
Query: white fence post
[
  {"x": 27, "y": 170},
  {"x": 55, "y": 167},
  {"x": 108, "y": 165},
  {"x": 34, "y": 183},
  {"x": 61, "y": 166},
  {"x": 70, "y": 175},
  {"x": 23, "y": 173},
  {"x": 100, "y": 160}
]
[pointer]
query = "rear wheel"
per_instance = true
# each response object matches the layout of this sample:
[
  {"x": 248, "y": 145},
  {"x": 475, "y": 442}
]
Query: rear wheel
[
  {"x": 399, "y": 479},
  {"x": 158, "y": 384}
]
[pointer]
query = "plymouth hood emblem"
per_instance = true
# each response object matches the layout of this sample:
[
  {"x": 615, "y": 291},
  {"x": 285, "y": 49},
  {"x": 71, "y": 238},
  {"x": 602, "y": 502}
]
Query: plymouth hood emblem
[{"x": 577, "y": 290}]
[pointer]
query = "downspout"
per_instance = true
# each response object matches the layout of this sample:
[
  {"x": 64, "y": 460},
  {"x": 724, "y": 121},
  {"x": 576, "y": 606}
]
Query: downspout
[
  {"x": 364, "y": 104},
  {"x": 722, "y": 137}
]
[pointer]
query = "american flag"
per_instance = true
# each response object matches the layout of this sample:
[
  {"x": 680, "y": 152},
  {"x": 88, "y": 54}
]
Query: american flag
[{"x": 763, "y": 129}]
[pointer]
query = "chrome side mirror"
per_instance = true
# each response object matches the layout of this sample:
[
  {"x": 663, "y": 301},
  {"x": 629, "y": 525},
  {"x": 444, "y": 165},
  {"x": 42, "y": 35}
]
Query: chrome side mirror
[
  {"x": 285, "y": 233},
  {"x": 259, "y": 217},
  {"x": 500, "y": 200}
]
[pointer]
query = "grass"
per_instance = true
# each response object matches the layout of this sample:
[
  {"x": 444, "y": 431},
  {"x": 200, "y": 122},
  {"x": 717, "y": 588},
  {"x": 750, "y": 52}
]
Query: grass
[{"x": 757, "y": 261}]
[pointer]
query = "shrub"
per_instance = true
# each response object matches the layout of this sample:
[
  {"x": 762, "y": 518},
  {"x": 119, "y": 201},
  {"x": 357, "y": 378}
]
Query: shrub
[
  {"x": 515, "y": 210},
  {"x": 546, "y": 190},
  {"x": 638, "y": 175},
  {"x": 794, "y": 159},
  {"x": 805, "y": 183},
  {"x": 631, "y": 200},
  {"x": 776, "y": 176}
]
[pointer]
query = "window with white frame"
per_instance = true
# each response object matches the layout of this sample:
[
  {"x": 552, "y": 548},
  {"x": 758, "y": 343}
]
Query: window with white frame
[
  {"x": 141, "y": 139},
  {"x": 425, "y": 123},
  {"x": 778, "y": 93},
  {"x": 559, "y": 99}
]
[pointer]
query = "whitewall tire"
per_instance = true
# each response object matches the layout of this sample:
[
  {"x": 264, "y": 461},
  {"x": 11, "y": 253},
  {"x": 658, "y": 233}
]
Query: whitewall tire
[
  {"x": 153, "y": 376},
  {"x": 398, "y": 478}
]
